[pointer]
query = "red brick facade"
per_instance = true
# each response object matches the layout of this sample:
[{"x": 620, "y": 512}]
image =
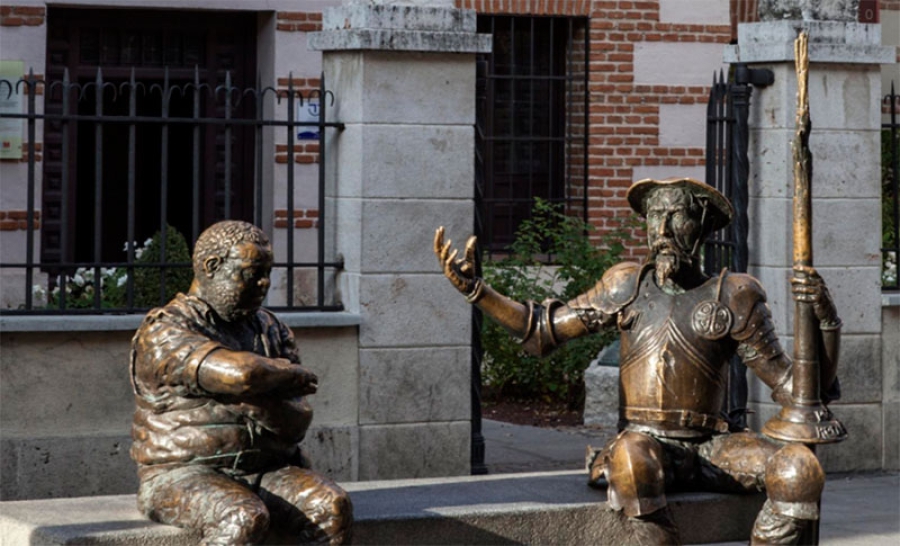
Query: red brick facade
[
  {"x": 16, "y": 220},
  {"x": 624, "y": 117},
  {"x": 298, "y": 21},
  {"x": 303, "y": 219},
  {"x": 18, "y": 16}
]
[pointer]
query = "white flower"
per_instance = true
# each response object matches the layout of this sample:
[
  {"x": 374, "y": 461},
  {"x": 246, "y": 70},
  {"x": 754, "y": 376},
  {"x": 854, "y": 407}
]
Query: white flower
[
  {"x": 121, "y": 281},
  {"x": 38, "y": 291},
  {"x": 78, "y": 279}
]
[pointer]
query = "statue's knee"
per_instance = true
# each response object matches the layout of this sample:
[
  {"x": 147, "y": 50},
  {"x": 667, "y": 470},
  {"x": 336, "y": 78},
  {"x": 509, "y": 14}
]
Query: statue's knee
[
  {"x": 636, "y": 474},
  {"x": 245, "y": 521},
  {"x": 794, "y": 482},
  {"x": 338, "y": 520}
]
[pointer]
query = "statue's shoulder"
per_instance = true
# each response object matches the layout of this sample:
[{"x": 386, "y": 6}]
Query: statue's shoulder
[
  {"x": 182, "y": 311},
  {"x": 742, "y": 291},
  {"x": 267, "y": 319},
  {"x": 617, "y": 288}
]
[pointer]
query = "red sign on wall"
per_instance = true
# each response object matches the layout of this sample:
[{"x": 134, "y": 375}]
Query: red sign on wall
[{"x": 868, "y": 11}]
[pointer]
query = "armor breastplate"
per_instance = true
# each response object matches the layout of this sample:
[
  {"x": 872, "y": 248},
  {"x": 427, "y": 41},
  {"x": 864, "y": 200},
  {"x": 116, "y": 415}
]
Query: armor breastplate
[{"x": 674, "y": 355}]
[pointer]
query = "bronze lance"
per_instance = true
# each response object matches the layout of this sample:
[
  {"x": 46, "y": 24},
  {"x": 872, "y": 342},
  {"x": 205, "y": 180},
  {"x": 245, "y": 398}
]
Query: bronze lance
[{"x": 807, "y": 419}]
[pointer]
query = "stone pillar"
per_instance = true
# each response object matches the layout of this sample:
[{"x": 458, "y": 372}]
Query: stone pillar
[
  {"x": 403, "y": 76},
  {"x": 844, "y": 98}
]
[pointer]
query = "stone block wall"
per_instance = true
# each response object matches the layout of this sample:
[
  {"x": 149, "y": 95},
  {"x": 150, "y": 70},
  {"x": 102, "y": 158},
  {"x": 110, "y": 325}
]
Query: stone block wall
[
  {"x": 402, "y": 167},
  {"x": 68, "y": 404}
]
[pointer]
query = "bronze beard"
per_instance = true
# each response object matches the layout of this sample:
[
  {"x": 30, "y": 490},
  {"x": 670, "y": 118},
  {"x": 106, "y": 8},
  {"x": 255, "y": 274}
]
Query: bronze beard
[
  {"x": 226, "y": 301},
  {"x": 669, "y": 259}
]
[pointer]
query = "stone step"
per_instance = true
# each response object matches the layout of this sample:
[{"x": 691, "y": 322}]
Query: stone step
[{"x": 530, "y": 508}]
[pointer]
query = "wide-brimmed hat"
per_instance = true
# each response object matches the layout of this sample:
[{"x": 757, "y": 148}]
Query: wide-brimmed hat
[{"x": 719, "y": 211}]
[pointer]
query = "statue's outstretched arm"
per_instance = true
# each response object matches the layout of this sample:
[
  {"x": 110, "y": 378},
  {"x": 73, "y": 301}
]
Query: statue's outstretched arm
[{"x": 539, "y": 327}]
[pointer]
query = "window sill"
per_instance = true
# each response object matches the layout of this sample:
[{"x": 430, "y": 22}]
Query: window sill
[
  {"x": 121, "y": 323},
  {"x": 890, "y": 299}
]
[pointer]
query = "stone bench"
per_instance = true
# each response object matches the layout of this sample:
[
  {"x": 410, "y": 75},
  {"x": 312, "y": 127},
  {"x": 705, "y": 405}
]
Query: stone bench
[{"x": 532, "y": 508}]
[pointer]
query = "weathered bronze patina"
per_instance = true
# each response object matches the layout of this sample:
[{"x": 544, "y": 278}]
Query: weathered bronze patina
[
  {"x": 807, "y": 419},
  {"x": 221, "y": 406},
  {"x": 679, "y": 329}
]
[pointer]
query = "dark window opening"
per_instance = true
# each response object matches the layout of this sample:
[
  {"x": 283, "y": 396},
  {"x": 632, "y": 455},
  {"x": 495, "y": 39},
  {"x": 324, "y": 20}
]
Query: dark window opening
[
  {"x": 530, "y": 120},
  {"x": 190, "y": 193}
]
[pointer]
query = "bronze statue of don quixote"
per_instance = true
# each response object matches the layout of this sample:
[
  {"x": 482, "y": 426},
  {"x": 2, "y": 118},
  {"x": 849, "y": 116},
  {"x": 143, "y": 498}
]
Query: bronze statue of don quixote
[{"x": 679, "y": 329}]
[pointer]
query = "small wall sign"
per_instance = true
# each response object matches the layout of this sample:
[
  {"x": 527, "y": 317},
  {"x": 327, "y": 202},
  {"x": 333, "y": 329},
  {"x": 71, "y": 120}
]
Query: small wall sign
[{"x": 308, "y": 112}]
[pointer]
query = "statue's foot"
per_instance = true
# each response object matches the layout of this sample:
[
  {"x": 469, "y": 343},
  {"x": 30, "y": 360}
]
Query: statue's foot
[{"x": 774, "y": 528}]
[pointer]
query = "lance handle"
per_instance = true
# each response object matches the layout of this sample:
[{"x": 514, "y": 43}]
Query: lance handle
[
  {"x": 806, "y": 419},
  {"x": 803, "y": 254},
  {"x": 806, "y": 365}
]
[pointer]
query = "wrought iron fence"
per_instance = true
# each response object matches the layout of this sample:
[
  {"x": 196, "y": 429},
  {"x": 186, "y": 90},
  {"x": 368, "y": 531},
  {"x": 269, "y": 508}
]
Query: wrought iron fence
[
  {"x": 84, "y": 119},
  {"x": 728, "y": 169},
  {"x": 890, "y": 193}
]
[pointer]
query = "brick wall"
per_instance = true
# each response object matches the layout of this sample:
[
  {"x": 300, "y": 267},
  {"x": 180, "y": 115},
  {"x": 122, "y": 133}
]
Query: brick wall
[
  {"x": 17, "y": 220},
  {"x": 298, "y": 21},
  {"x": 17, "y": 16},
  {"x": 625, "y": 116}
]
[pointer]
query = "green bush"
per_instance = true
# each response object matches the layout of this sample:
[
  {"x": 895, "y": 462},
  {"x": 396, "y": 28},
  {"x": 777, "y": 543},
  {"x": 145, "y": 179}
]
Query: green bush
[
  {"x": 147, "y": 279},
  {"x": 577, "y": 266}
]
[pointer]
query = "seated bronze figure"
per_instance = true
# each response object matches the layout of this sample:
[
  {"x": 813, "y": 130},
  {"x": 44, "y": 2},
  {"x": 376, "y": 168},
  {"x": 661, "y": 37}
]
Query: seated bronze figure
[
  {"x": 221, "y": 406},
  {"x": 679, "y": 328}
]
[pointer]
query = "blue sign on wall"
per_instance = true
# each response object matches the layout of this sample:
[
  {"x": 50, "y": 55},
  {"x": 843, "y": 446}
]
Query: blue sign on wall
[{"x": 308, "y": 112}]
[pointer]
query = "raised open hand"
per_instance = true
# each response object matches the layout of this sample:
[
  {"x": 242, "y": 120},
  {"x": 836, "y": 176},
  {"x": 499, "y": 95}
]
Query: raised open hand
[{"x": 460, "y": 272}]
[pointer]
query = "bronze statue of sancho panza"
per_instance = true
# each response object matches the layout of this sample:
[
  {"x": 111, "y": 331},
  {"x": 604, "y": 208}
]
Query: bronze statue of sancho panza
[
  {"x": 221, "y": 406},
  {"x": 679, "y": 328}
]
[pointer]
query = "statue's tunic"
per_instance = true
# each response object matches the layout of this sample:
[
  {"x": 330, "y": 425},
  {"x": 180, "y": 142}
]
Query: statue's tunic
[{"x": 177, "y": 423}]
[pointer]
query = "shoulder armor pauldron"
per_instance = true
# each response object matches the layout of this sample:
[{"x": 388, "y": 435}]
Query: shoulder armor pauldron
[
  {"x": 617, "y": 288},
  {"x": 743, "y": 294}
]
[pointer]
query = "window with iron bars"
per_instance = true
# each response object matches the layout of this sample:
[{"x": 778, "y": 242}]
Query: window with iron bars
[
  {"x": 148, "y": 130},
  {"x": 531, "y": 120}
]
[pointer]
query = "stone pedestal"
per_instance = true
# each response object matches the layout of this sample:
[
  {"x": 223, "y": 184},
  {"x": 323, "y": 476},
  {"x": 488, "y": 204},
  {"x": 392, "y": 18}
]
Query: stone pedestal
[
  {"x": 403, "y": 76},
  {"x": 844, "y": 98},
  {"x": 601, "y": 389}
]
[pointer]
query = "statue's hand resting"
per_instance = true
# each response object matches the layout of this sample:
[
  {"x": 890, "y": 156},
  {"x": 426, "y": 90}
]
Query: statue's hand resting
[{"x": 460, "y": 272}]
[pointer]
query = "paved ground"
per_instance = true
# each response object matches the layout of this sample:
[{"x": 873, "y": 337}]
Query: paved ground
[{"x": 857, "y": 509}]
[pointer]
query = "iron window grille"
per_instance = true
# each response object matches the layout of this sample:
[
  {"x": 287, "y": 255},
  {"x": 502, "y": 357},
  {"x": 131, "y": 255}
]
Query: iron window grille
[
  {"x": 86, "y": 127},
  {"x": 531, "y": 122}
]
